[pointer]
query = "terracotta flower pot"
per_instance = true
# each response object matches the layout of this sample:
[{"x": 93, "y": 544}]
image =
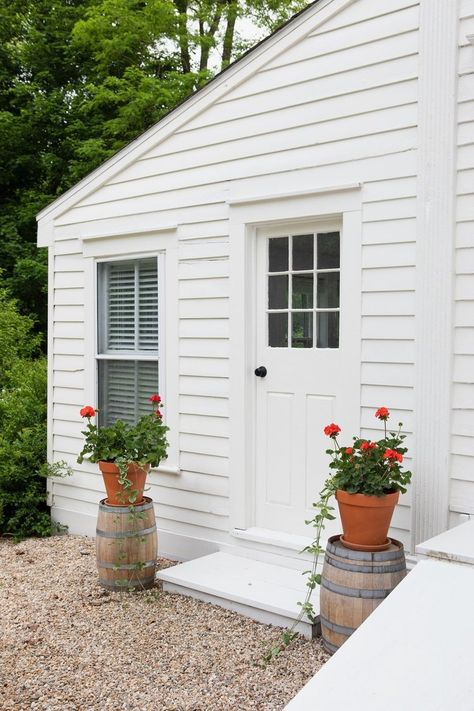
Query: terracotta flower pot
[
  {"x": 116, "y": 494},
  {"x": 366, "y": 520}
]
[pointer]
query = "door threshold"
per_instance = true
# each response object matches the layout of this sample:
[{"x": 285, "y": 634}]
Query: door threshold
[{"x": 269, "y": 537}]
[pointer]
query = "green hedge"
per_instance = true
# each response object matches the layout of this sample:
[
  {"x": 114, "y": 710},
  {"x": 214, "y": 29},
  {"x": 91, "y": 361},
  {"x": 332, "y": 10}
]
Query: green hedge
[{"x": 23, "y": 412}]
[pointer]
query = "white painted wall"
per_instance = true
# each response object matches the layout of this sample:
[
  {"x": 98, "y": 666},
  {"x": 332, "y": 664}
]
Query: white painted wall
[
  {"x": 462, "y": 423},
  {"x": 337, "y": 107}
]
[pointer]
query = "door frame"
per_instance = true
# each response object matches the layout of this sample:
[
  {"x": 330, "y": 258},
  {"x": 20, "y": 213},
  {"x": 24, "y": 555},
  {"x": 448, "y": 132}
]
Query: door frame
[{"x": 246, "y": 217}]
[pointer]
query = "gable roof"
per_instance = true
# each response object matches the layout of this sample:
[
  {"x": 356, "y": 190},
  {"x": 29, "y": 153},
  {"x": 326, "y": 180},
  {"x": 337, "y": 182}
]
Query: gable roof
[{"x": 285, "y": 36}]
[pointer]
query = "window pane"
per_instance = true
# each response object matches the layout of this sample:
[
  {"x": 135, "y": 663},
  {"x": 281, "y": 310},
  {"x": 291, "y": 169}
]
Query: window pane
[
  {"x": 302, "y": 330},
  {"x": 303, "y": 252},
  {"x": 128, "y": 306},
  {"x": 302, "y": 291},
  {"x": 278, "y": 330},
  {"x": 328, "y": 329},
  {"x": 328, "y": 290},
  {"x": 278, "y": 254},
  {"x": 328, "y": 250},
  {"x": 278, "y": 292},
  {"x": 124, "y": 389},
  {"x": 120, "y": 305},
  {"x": 148, "y": 305}
]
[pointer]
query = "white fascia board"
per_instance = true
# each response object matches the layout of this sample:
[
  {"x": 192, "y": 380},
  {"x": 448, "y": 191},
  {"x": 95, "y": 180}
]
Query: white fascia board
[{"x": 237, "y": 73}]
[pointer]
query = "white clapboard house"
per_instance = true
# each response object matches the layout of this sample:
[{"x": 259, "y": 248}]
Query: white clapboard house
[{"x": 309, "y": 212}]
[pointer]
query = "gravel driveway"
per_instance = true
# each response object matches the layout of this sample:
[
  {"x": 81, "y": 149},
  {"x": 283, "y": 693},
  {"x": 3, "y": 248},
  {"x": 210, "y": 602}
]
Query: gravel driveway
[{"x": 67, "y": 645}]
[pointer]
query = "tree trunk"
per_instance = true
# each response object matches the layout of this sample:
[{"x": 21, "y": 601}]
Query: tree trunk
[
  {"x": 229, "y": 32},
  {"x": 182, "y": 8},
  {"x": 213, "y": 27}
]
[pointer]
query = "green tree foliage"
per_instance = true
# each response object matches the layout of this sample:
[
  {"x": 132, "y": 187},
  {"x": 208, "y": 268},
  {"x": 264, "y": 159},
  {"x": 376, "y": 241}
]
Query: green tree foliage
[
  {"x": 23, "y": 509},
  {"x": 81, "y": 78}
]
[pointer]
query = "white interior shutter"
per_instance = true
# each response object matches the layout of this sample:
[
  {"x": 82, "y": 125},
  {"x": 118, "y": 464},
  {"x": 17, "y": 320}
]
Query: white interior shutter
[
  {"x": 125, "y": 389},
  {"x": 147, "y": 306},
  {"x": 120, "y": 296}
]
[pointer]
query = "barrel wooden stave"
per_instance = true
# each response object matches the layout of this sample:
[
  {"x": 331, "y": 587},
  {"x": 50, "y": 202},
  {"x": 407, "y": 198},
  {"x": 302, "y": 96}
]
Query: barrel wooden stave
[
  {"x": 353, "y": 585},
  {"x": 126, "y": 546}
]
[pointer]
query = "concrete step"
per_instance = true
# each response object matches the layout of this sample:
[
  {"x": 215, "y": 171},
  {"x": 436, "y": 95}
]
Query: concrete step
[
  {"x": 455, "y": 545},
  {"x": 414, "y": 652},
  {"x": 265, "y": 592}
]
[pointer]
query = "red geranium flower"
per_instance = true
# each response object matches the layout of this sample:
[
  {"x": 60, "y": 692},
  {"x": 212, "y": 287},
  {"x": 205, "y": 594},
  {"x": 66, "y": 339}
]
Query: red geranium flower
[
  {"x": 382, "y": 413},
  {"x": 158, "y": 414},
  {"x": 348, "y": 450},
  {"x": 366, "y": 446},
  {"x": 155, "y": 398},
  {"x": 87, "y": 411},
  {"x": 332, "y": 430},
  {"x": 393, "y": 455}
]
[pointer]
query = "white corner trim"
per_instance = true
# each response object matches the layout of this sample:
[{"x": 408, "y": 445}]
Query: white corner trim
[
  {"x": 294, "y": 193},
  {"x": 435, "y": 264},
  {"x": 130, "y": 233},
  {"x": 470, "y": 39}
]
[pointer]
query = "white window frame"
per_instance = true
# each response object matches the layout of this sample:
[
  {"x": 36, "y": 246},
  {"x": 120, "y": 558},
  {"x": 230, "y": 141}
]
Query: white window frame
[
  {"x": 160, "y": 354},
  {"x": 160, "y": 242}
]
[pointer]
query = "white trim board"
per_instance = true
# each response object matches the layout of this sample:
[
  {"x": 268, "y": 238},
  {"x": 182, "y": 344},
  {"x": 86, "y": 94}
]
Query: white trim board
[{"x": 244, "y": 221}]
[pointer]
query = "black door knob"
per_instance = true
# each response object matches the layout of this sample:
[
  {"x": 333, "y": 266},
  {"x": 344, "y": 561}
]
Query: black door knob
[{"x": 261, "y": 371}]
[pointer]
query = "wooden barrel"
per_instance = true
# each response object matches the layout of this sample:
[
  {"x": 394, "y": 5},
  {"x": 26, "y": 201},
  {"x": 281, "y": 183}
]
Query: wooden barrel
[
  {"x": 353, "y": 584},
  {"x": 126, "y": 546}
]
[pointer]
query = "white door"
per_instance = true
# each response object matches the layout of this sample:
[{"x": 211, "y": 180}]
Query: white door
[{"x": 308, "y": 314}]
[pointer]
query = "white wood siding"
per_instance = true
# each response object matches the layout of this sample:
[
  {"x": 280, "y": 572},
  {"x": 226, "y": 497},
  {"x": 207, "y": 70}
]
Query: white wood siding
[
  {"x": 462, "y": 422},
  {"x": 338, "y": 107}
]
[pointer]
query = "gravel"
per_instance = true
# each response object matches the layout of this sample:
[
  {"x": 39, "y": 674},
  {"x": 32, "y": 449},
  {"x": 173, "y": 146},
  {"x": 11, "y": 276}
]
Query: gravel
[{"x": 68, "y": 645}]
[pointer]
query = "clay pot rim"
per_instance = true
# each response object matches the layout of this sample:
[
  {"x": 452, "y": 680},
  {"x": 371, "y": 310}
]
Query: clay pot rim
[
  {"x": 111, "y": 467},
  {"x": 367, "y": 500}
]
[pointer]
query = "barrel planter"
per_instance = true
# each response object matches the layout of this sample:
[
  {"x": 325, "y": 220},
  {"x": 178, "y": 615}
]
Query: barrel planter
[
  {"x": 126, "y": 546},
  {"x": 353, "y": 584}
]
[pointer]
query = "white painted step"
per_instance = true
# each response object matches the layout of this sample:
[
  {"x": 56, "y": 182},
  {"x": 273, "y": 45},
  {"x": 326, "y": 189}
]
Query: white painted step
[
  {"x": 265, "y": 592},
  {"x": 456, "y": 545},
  {"x": 414, "y": 652}
]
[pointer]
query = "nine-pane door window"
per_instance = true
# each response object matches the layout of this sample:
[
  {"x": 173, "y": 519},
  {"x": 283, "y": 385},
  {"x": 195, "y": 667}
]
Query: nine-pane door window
[
  {"x": 128, "y": 356},
  {"x": 303, "y": 290}
]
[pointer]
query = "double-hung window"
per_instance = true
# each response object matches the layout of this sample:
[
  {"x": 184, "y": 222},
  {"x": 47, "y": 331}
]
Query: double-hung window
[{"x": 128, "y": 338}]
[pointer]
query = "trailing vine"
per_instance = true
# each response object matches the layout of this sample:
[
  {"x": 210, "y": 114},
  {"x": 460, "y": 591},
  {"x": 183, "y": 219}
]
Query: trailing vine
[{"x": 323, "y": 514}]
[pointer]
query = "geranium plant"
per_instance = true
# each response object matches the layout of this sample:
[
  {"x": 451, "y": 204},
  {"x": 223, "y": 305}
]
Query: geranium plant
[
  {"x": 365, "y": 467},
  {"x": 142, "y": 443},
  {"x": 371, "y": 468}
]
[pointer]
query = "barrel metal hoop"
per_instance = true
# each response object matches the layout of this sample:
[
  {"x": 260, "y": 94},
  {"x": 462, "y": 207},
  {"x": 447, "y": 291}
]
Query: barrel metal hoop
[
  {"x": 337, "y": 628},
  {"x": 128, "y": 508},
  {"x": 363, "y": 555},
  {"x": 354, "y": 592},
  {"x": 330, "y": 647},
  {"x": 126, "y": 566},
  {"x": 365, "y": 568},
  {"x": 126, "y": 534}
]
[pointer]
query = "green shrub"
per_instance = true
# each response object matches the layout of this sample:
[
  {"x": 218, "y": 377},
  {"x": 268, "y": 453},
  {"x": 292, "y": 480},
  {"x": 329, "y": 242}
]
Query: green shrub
[{"x": 23, "y": 509}]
